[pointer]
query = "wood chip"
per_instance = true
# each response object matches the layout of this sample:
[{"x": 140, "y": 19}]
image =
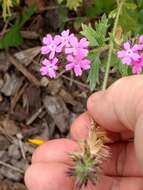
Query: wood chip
[
  {"x": 26, "y": 56},
  {"x": 24, "y": 71}
]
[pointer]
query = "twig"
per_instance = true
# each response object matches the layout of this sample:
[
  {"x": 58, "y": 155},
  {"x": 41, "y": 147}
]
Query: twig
[
  {"x": 47, "y": 8},
  {"x": 23, "y": 70},
  {"x": 34, "y": 116},
  {"x": 17, "y": 96},
  {"x": 11, "y": 167},
  {"x": 19, "y": 136},
  {"x": 76, "y": 82}
]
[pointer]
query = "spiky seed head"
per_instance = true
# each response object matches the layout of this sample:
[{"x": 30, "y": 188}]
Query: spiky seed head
[{"x": 88, "y": 161}]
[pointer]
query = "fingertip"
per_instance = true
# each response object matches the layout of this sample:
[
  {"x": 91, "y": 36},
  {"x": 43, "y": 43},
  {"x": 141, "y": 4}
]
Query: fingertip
[
  {"x": 80, "y": 127},
  {"x": 49, "y": 176},
  {"x": 55, "y": 150}
]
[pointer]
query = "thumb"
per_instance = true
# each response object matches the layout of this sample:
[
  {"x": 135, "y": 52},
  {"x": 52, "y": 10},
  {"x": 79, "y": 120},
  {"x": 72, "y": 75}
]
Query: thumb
[{"x": 120, "y": 108}]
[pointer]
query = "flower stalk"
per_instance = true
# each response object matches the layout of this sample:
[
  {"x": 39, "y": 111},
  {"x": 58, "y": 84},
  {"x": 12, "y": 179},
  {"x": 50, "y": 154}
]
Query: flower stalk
[{"x": 111, "y": 44}]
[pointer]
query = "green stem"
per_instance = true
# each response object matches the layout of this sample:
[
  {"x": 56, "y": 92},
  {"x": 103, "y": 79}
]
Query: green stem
[{"x": 111, "y": 45}]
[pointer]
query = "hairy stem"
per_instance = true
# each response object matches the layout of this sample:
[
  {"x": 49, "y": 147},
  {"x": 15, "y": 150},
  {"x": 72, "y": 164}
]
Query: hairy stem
[{"x": 111, "y": 45}]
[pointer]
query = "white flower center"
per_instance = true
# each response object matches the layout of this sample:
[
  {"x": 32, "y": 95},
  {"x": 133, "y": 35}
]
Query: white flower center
[
  {"x": 129, "y": 52},
  {"x": 52, "y": 47}
]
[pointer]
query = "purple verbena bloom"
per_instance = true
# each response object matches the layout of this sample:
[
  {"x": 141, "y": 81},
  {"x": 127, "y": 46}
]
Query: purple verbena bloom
[
  {"x": 65, "y": 36},
  {"x": 50, "y": 45},
  {"x": 49, "y": 67},
  {"x": 137, "y": 66},
  {"x": 78, "y": 64},
  {"x": 77, "y": 46},
  {"x": 129, "y": 53}
]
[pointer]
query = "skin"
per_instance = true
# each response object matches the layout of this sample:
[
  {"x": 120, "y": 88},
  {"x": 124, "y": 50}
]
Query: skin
[{"x": 119, "y": 110}]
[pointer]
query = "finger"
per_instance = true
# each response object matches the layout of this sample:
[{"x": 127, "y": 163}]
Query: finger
[
  {"x": 123, "y": 161},
  {"x": 80, "y": 127},
  {"x": 139, "y": 140},
  {"x": 52, "y": 177},
  {"x": 120, "y": 105},
  {"x": 48, "y": 176},
  {"x": 55, "y": 150},
  {"x": 119, "y": 183}
]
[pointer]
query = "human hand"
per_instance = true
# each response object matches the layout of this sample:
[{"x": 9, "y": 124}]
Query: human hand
[{"x": 119, "y": 110}]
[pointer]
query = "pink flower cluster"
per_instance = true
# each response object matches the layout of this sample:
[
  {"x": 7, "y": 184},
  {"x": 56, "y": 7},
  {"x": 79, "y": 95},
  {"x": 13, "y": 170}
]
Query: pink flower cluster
[
  {"x": 74, "y": 50},
  {"x": 132, "y": 54}
]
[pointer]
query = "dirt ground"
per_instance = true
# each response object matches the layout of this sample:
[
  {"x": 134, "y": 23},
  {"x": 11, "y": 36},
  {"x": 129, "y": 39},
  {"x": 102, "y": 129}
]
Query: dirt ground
[{"x": 32, "y": 106}]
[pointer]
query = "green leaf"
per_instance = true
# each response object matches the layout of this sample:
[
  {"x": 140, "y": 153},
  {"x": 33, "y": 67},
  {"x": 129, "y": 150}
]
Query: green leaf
[
  {"x": 101, "y": 30},
  {"x": 113, "y": 14},
  {"x": 97, "y": 36},
  {"x": 93, "y": 77},
  {"x": 131, "y": 6},
  {"x": 123, "y": 69},
  {"x": 12, "y": 38},
  {"x": 90, "y": 34}
]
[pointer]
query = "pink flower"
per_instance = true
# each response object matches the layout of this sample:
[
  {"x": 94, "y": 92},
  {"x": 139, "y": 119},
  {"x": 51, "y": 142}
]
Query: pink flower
[
  {"x": 129, "y": 53},
  {"x": 49, "y": 67},
  {"x": 137, "y": 66},
  {"x": 77, "y": 63},
  {"x": 51, "y": 45},
  {"x": 65, "y": 35},
  {"x": 77, "y": 46}
]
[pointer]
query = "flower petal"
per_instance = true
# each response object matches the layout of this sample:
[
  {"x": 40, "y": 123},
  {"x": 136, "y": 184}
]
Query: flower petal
[
  {"x": 69, "y": 66},
  {"x": 70, "y": 58},
  {"x": 141, "y": 39},
  {"x": 54, "y": 61},
  {"x": 121, "y": 54},
  {"x": 83, "y": 43},
  {"x": 136, "y": 56},
  {"x": 73, "y": 41},
  {"x": 45, "y": 62},
  {"x": 43, "y": 71},
  {"x": 47, "y": 40},
  {"x": 57, "y": 39},
  {"x": 77, "y": 70},
  {"x": 85, "y": 64},
  {"x": 52, "y": 73},
  {"x": 126, "y": 45},
  {"x": 127, "y": 60},
  {"x": 65, "y": 33},
  {"x": 45, "y": 50}
]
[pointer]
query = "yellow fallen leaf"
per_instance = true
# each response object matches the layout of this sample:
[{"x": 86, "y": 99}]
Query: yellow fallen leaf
[{"x": 36, "y": 141}]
